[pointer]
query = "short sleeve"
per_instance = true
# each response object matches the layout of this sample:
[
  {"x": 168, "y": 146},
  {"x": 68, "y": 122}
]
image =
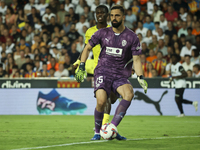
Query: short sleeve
[
  {"x": 87, "y": 36},
  {"x": 136, "y": 48},
  {"x": 95, "y": 39},
  {"x": 181, "y": 68}
]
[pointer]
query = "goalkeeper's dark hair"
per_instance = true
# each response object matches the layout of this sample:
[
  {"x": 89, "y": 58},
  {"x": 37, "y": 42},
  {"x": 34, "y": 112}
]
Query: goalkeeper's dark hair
[
  {"x": 103, "y": 7},
  {"x": 120, "y": 7}
]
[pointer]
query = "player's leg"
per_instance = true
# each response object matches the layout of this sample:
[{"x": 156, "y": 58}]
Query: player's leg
[
  {"x": 178, "y": 99},
  {"x": 101, "y": 97},
  {"x": 126, "y": 91},
  {"x": 195, "y": 103},
  {"x": 111, "y": 100}
]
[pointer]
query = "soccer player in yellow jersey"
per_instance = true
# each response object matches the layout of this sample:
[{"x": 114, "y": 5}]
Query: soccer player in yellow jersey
[{"x": 101, "y": 15}]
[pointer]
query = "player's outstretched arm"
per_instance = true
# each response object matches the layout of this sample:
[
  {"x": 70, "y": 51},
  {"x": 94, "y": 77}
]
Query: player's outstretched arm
[
  {"x": 81, "y": 73},
  {"x": 139, "y": 72}
]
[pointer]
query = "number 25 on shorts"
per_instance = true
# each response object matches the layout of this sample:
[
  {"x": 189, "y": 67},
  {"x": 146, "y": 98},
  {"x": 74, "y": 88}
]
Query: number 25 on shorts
[{"x": 99, "y": 80}]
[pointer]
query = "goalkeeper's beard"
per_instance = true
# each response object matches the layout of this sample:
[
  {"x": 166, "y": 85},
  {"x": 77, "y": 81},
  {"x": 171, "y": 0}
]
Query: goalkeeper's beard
[{"x": 117, "y": 24}]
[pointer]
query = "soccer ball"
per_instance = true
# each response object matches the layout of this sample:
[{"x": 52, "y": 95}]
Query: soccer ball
[{"x": 108, "y": 131}]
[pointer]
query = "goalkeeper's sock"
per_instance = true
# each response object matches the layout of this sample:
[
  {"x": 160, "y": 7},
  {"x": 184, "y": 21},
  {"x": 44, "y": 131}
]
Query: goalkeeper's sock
[
  {"x": 98, "y": 116},
  {"x": 105, "y": 118},
  {"x": 120, "y": 112}
]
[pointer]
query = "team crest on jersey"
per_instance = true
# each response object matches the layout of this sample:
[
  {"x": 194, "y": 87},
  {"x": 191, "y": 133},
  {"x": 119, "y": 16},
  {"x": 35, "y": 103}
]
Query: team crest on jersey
[{"x": 124, "y": 42}]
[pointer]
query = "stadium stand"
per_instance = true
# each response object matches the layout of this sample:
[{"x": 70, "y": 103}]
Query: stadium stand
[{"x": 37, "y": 36}]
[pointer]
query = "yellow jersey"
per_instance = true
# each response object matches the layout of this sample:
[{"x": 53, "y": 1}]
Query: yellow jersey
[{"x": 96, "y": 50}]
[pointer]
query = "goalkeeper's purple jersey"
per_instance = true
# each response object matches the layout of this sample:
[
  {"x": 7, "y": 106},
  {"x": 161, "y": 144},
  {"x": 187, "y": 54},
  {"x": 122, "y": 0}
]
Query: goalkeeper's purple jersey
[{"x": 117, "y": 51}]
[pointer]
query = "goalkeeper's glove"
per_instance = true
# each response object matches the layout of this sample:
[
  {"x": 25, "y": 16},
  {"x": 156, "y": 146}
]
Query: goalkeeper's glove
[
  {"x": 76, "y": 65},
  {"x": 81, "y": 73},
  {"x": 143, "y": 83}
]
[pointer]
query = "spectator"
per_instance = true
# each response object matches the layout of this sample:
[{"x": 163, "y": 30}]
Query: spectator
[
  {"x": 43, "y": 53},
  {"x": 74, "y": 54},
  {"x": 195, "y": 56},
  {"x": 9, "y": 65},
  {"x": 2, "y": 71},
  {"x": 145, "y": 49},
  {"x": 156, "y": 13},
  {"x": 38, "y": 43},
  {"x": 17, "y": 52},
  {"x": 155, "y": 32},
  {"x": 189, "y": 20},
  {"x": 161, "y": 47},
  {"x": 144, "y": 63},
  {"x": 169, "y": 53},
  {"x": 131, "y": 17},
  {"x": 124, "y": 3},
  {"x": 20, "y": 61},
  {"x": 52, "y": 25},
  {"x": 47, "y": 16},
  {"x": 56, "y": 53},
  {"x": 94, "y": 5},
  {"x": 45, "y": 38},
  {"x": 151, "y": 56},
  {"x": 28, "y": 6},
  {"x": 154, "y": 43},
  {"x": 53, "y": 64},
  {"x": 141, "y": 29},
  {"x": 80, "y": 45},
  {"x": 154, "y": 73},
  {"x": 9, "y": 45},
  {"x": 81, "y": 23},
  {"x": 10, "y": 17},
  {"x": 148, "y": 38},
  {"x": 67, "y": 64},
  {"x": 88, "y": 14},
  {"x": 197, "y": 38},
  {"x": 196, "y": 30},
  {"x": 171, "y": 31},
  {"x": 73, "y": 16},
  {"x": 68, "y": 5},
  {"x": 30, "y": 35},
  {"x": 189, "y": 74},
  {"x": 135, "y": 8},
  {"x": 53, "y": 6},
  {"x": 15, "y": 5},
  {"x": 160, "y": 35},
  {"x": 150, "y": 7},
  {"x": 31, "y": 16},
  {"x": 187, "y": 50},
  {"x": 160, "y": 63},
  {"x": 183, "y": 14},
  {"x": 41, "y": 7},
  {"x": 187, "y": 64},
  {"x": 5, "y": 36},
  {"x": 28, "y": 61},
  {"x": 14, "y": 33},
  {"x": 37, "y": 68},
  {"x": 163, "y": 23},
  {"x": 196, "y": 71},
  {"x": 61, "y": 14},
  {"x": 183, "y": 30},
  {"x": 190, "y": 36},
  {"x": 182, "y": 41},
  {"x": 148, "y": 72},
  {"x": 178, "y": 4},
  {"x": 54, "y": 43},
  {"x": 140, "y": 38},
  {"x": 23, "y": 44},
  {"x": 167, "y": 40},
  {"x": 61, "y": 72},
  {"x": 149, "y": 25},
  {"x": 56, "y": 33},
  {"x": 27, "y": 51},
  {"x": 51, "y": 72},
  {"x": 80, "y": 8},
  {"x": 44, "y": 71},
  {"x": 73, "y": 34},
  {"x": 66, "y": 43},
  {"x": 30, "y": 73},
  {"x": 67, "y": 24},
  {"x": 3, "y": 7},
  {"x": 171, "y": 15}
]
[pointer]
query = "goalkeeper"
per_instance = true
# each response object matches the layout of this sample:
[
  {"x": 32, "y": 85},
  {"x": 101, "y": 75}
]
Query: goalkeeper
[
  {"x": 101, "y": 16},
  {"x": 119, "y": 45}
]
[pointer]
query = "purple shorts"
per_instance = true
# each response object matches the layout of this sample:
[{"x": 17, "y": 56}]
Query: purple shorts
[{"x": 108, "y": 83}]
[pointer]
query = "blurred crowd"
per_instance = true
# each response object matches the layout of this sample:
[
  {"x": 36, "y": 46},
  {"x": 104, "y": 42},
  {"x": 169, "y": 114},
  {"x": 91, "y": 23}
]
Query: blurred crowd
[{"x": 43, "y": 38}]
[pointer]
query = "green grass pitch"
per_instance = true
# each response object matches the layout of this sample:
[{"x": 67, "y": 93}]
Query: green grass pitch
[{"x": 63, "y": 132}]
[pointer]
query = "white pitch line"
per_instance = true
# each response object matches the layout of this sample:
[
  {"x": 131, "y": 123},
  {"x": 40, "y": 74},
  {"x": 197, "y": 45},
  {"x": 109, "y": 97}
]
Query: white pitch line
[{"x": 79, "y": 143}]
